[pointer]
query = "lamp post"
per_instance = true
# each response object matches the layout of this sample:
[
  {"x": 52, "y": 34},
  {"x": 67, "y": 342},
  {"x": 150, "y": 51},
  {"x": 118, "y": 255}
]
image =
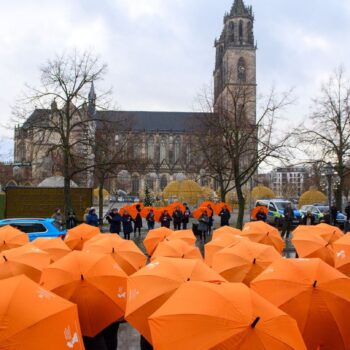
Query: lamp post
[{"x": 329, "y": 172}]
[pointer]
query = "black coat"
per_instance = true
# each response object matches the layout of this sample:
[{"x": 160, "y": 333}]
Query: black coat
[
  {"x": 347, "y": 212},
  {"x": 127, "y": 224},
  {"x": 261, "y": 216},
  {"x": 115, "y": 221},
  {"x": 165, "y": 220},
  {"x": 138, "y": 220},
  {"x": 186, "y": 216},
  {"x": 225, "y": 217},
  {"x": 177, "y": 216}
]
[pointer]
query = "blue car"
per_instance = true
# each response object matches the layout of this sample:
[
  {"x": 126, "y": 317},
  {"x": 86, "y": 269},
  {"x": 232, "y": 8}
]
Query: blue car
[{"x": 35, "y": 228}]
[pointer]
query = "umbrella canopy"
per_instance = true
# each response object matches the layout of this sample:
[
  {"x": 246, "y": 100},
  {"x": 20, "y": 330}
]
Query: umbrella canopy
[
  {"x": 329, "y": 233},
  {"x": 310, "y": 244},
  {"x": 154, "y": 237},
  {"x": 185, "y": 235},
  {"x": 177, "y": 249},
  {"x": 257, "y": 209},
  {"x": 76, "y": 236},
  {"x": 219, "y": 243},
  {"x": 145, "y": 211},
  {"x": 33, "y": 318},
  {"x": 164, "y": 275},
  {"x": 342, "y": 254},
  {"x": 94, "y": 282},
  {"x": 220, "y": 206},
  {"x": 316, "y": 295},
  {"x": 244, "y": 261},
  {"x": 226, "y": 230},
  {"x": 11, "y": 237},
  {"x": 158, "y": 212},
  {"x": 207, "y": 203},
  {"x": 55, "y": 247},
  {"x": 231, "y": 316},
  {"x": 171, "y": 207},
  {"x": 201, "y": 210},
  {"x": 28, "y": 260},
  {"x": 126, "y": 253},
  {"x": 260, "y": 232}
]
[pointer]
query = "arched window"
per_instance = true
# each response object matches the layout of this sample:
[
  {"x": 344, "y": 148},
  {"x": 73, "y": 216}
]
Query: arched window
[
  {"x": 162, "y": 151},
  {"x": 163, "y": 182},
  {"x": 240, "y": 31},
  {"x": 177, "y": 150},
  {"x": 135, "y": 185},
  {"x": 250, "y": 33},
  {"x": 188, "y": 153},
  {"x": 241, "y": 70},
  {"x": 123, "y": 180},
  {"x": 150, "y": 182},
  {"x": 232, "y": 32},
  {"x": 150, "y": 148}
]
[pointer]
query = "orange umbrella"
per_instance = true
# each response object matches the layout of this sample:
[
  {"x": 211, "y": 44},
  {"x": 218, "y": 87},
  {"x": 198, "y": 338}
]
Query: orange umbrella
[
  {"x": 150, "y": 287},
  {"x": 342, "y": 254},
  {"x": 131, "y": 209},
  {"x": 76, "y": 236},
  {"x": 230, "y": 316},
  {"x": 176, "y": 249},
  {"x": 145, "y": 211},
  {"x": 28, "y": 260},
  {"x": 201, "y": 210},
  {"x": 11, "y": 237},
  {"x": 94, "y": 282},
  {"x": 185, "y": 235},
  {"x": 220, "y": 206},
  {"x": 257, "y": 209},
  {"x": 244, "y": 261},
  {"x": 315, "y": 295},
  {"x": 33, "y": 318},
  {"x": 310, "y": 244},
  {"x": 261, "y": 232},
  {"x": 55, "y": 247},
  {"x": 226, "y": 230},
  {"x": 154, "y": 237},
  {"x": 218, "y": 243},
  {"x": 177, "y": 204},
  {"x": 126, "y": 253},
  {"x": 329, "y": 233},
  {"x": 206, "y": 204},
  {"x": 158, "y": 212}
]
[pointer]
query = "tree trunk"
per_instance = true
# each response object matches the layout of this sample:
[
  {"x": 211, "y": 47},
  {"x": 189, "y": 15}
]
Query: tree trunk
[
  {"x": 67, "y": 193},
  {"x": 241, "y": 206},
  {"x": 100, "y": 198}
]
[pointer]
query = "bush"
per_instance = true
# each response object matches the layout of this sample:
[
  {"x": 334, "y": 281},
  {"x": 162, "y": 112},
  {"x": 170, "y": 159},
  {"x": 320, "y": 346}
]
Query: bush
[
  {"x": 260, "y": 192},
  {"x": 312, "y": 196}
]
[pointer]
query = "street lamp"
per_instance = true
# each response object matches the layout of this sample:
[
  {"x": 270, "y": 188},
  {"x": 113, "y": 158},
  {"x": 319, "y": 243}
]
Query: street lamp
[{"x": 329, "y": 172}]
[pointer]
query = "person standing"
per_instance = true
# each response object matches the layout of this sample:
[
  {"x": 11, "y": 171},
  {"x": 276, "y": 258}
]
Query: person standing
[
  {"x": 309, "y": 219},
  {"x": 347, "y": 223},
  {"x": 115, "y": 221},
  {"x": 225, "y": 217},
  {"x": 127, "y": 225},
  {"x": 92, "y": 218},
  {"x": 186, "y": 217},
  {"x": 177, "y": 218},
  {"x": 288, "y": 220},
  {"x": 211, "y": 218},
  {"x": 165, "y": 219},
  {"x": 334, "y": 213},
  {"x": 58, "y": 219},
  {"x": 72, "y": 219},
  {"x": 150, "y": 220},
  {"x": 261, "y": 215},
  {"x": 203, "y": 225},
  {"x": 138, "y": 221}
]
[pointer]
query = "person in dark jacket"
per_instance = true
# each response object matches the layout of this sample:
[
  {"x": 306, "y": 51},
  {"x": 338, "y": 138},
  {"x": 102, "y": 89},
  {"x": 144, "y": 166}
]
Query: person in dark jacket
[
  {"x": 138, "y": 221},
  {"x": 92, "y": 218},
  {"x": 347, "y": 223},
  {"x": 127, "y": 225},
  {"x": 225, "y": 217},
  {"x": 211, "y": 218},
  {"x": 261, "y": 215},
  {"x": 326, "y": 219},
  {"x": 107, "y": 339},
  {"x": 186, "y": 217},
  {"x": 334, "y": 214},
  {"x": 72, "y": 219},
  {"x": 288, "y": 221},
  {"x": 309, "y": 219},
  {"x": 165, "y": 219},
  {"x": 58, "y": 218},
  {"x": 177, "y": 218},
  {"x": 115, "y": 221},
  {"x": 203, "y": 224},
  {"x": 150, "y": 220}
]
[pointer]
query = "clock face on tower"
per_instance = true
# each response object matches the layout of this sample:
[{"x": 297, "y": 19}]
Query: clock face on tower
[{"x": 241, "y": 70}]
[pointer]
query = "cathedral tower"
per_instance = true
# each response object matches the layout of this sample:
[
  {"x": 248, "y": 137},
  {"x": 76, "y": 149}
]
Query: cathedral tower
[{"x": 235, "y": 65}]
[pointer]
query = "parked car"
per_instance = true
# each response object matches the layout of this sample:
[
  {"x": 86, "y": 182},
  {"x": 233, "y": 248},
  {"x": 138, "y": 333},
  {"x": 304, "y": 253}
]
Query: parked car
[
  {"x": 318, "y": 211},
  {"x": 35, "y": 227},
  {"x": 276, "y": 208}
]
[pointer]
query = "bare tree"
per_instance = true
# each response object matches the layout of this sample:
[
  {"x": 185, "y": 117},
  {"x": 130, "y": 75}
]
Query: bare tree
[
  {"x": 63, "y": 124},
  {"x": 328, "y": 130},
  {"x": 235, "y": 144}
]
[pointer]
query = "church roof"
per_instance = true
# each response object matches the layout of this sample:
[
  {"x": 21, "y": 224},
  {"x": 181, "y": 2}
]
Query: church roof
[
  {"x": 239, "y": 9},
  {"x": 136, "y": 120}
]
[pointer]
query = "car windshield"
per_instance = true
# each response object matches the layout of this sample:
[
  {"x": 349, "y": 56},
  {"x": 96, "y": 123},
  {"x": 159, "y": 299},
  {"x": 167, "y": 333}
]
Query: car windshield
[
  {"x": 323, "y": 209},
  {"x": 281, "y": 205}
]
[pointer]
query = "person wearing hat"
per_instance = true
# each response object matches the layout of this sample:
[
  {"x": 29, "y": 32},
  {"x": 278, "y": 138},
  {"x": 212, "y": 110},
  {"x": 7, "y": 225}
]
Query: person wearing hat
[
  {"x": 115, "y": 221},
  {"x": 92, "y": 218}
]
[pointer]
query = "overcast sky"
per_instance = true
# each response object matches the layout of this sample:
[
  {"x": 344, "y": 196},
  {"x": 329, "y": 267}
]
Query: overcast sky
[{"x": 160, "y": 52}]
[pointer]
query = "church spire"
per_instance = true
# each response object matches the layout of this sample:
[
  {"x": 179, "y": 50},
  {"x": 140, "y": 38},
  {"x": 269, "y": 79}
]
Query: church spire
[
  {"x": 92, "y": 99},
  {"x": 239, "y": 9}
]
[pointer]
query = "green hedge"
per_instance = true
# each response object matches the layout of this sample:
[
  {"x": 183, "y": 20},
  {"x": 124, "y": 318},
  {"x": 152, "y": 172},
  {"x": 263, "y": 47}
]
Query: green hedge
[{"x": 2, "y": 205}]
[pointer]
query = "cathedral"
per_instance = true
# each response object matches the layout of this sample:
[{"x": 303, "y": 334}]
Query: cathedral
[{"x": 164, "y": 138}]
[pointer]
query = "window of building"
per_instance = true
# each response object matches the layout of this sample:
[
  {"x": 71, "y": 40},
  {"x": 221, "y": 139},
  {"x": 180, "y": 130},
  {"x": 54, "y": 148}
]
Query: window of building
[
  {"x": 150, "y": 148},
  {"x": 150, "y": 182},
  {"x": 162, "y": 151},
  {"x": 163, "y": 182},
  {"x": 240, "y": 31},
  {"x": 241, "y": 70},
  {"x": 177, "y": 150},
  {"x": 135, "y": 185}
]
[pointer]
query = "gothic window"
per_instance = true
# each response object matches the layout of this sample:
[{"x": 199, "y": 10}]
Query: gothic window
[
  {"x": 232, "y": 32},
  {"x": 150, "y": 149},
  {"x": 150, "y": 182},
  {"x": 162, "y": 152},
  {"x": 188, "y": 153},
  {"x": 250, "y": 33},
  {"x": 177, "y": 150},
  {"x": 135, "y": 185},
  {"x": 240, "y": 31},
  {"x": 163, "y": 182},
  {"x": 241, "y": 70}
]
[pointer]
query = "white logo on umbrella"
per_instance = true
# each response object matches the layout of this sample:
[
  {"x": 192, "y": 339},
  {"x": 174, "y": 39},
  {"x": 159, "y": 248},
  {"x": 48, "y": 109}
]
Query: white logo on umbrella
[{"x": 71, "y": 340}]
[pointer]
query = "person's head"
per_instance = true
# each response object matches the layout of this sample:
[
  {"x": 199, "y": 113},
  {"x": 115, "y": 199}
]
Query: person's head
[
  {"x": 114, "y": 210},
  {"x": 209, "y": 206},
  {"x": 261, "y": 210},
  {"x": 58, "y": 211},
  {"x": 92, "y": 210},
  {"x": 126, "y": 212},
  {"x": 308, "y": 213},
  {"x": 165, "y": 212},
  {"x": 205, "y": 212},
  {"x": 151, "y": 211}
]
